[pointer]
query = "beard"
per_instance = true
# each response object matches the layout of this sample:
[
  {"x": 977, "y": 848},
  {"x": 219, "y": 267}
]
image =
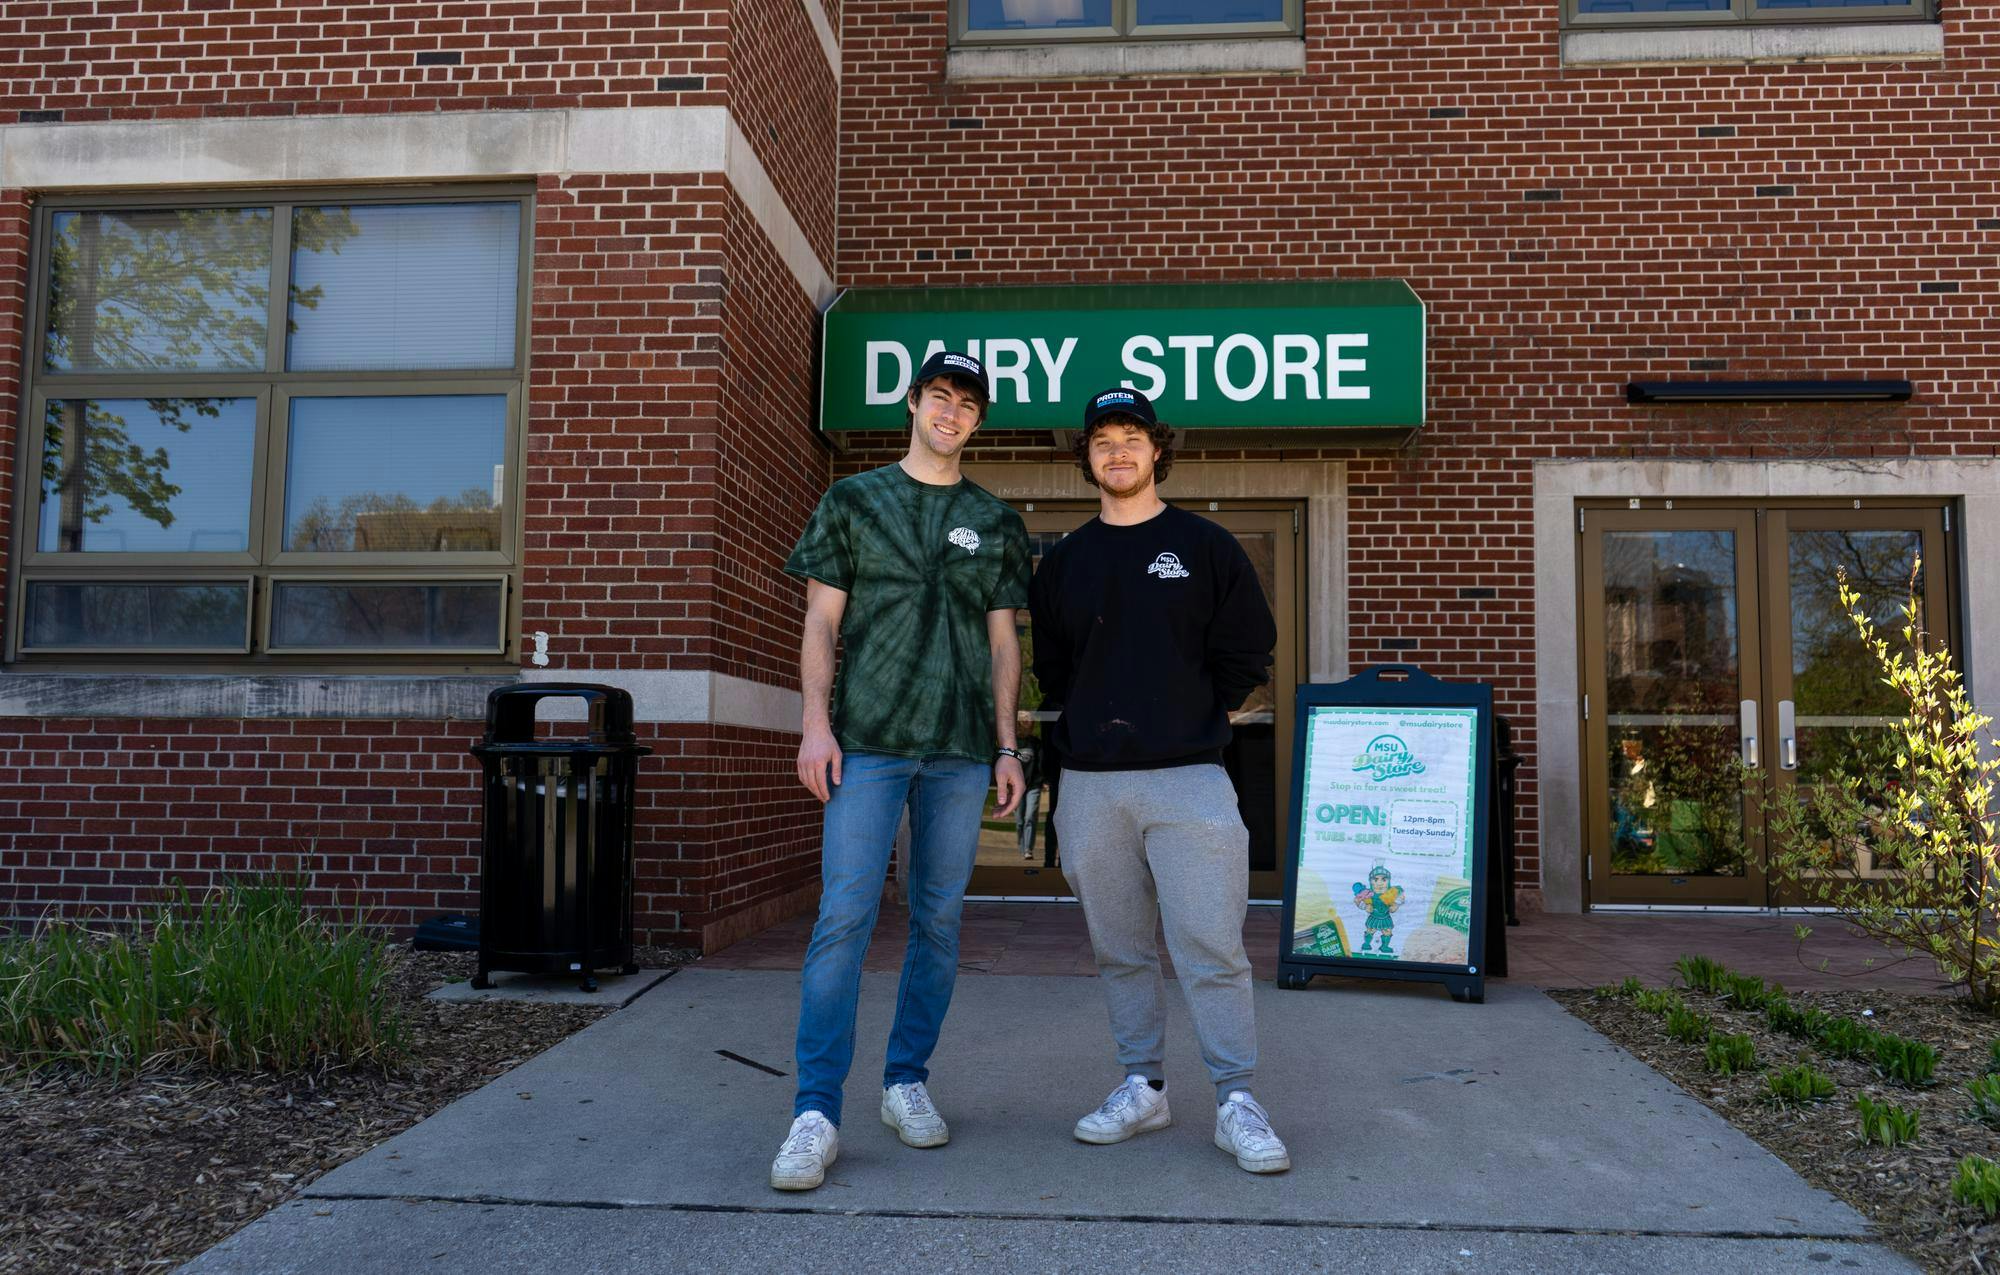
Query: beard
[{"x": 1141, "y": 478}]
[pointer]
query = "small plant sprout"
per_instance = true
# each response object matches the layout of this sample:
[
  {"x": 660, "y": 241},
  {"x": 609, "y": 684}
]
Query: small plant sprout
[
  {"x": 1727, "y": 1054},
  {"x": 1700, "y": 973},
  {"x": 1798, "y": 1084},
  {"x": 1977, "y": 1184},
  {"x": 1909, "y": 1062},
  {"x": 1993, "y": 1058},
  {"x": 1746, "y": 991},
  {"x": 1663, "y": 1001},
  {"x": 1845, "y": 1038},
  {"x": 1885, "y": 1122},
  {"x": 1688, "y": 1026},
  {"x": 1985, "y": 1091}
]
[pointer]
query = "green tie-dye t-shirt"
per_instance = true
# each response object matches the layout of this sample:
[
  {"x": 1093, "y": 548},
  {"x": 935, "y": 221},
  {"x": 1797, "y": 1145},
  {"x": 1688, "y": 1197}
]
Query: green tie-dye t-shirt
[{"x": 921, "y": 566}]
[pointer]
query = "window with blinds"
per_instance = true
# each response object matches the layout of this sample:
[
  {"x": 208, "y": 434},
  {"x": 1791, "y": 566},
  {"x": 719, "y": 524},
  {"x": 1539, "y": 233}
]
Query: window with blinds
[{"x": 271, "y": 429}]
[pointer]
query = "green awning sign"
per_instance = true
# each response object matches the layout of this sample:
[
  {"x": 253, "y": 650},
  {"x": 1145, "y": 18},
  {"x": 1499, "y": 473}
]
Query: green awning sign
[{"x": 1335, "y": 355}]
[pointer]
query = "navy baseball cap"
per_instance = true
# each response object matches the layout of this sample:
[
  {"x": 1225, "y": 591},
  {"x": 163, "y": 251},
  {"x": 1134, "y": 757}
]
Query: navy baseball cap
[
  {"x": 1119, "y": 402},
  {"x": 952, "y": 363}
]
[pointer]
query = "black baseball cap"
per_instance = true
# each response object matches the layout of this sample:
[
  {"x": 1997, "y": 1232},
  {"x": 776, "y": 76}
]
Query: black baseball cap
[
  {"x": 959, "y": 366},
  {"x": 1119, "y": 402}
]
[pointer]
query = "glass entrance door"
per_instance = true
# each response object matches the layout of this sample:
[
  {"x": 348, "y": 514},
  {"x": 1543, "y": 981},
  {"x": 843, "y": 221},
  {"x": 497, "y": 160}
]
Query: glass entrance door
[
  {"x": 1720, "y": 669},
  {"x": 1019, "y": 856},
  {"x": 1671, "y": 683}
]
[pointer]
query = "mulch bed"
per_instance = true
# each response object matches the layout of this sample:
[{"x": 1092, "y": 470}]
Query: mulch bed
[
  {"x": 1906, "y": 1190},
  {"x": 144, "y": 1174}
]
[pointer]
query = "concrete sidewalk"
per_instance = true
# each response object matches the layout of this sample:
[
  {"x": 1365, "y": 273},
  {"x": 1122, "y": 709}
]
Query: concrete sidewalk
[{"x": 1424, "y": 1134}]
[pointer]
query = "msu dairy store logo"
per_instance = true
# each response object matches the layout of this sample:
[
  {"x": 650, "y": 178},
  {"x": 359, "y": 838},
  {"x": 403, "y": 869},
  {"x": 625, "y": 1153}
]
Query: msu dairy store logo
[
  {"x": 1168, "y": 567},
  {"x": 1388, "y": 756}
]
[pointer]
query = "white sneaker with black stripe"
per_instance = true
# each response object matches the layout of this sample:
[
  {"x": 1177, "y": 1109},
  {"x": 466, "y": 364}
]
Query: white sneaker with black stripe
[
  {"x": 1244, "y": 1131},
  {"x": 1133, "y": 1107}
]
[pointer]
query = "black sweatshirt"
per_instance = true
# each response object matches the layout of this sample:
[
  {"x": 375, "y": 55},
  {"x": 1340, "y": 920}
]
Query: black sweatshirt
[{"x": 1146, "y": 636}]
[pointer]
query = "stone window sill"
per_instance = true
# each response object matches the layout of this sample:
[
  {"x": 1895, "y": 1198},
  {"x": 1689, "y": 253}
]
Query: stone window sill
[
  {"x": 1818, "y": 42},
  {"x": 1286, "y": 56}
]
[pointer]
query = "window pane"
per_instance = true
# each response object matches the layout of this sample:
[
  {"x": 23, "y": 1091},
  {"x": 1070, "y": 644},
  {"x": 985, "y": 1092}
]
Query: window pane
[
  {"x": 138, "y": 615},
  {"x": 1833, "y": 4},
  {"x": 404, "y": 287},
  {"x": 1192, "y": 12},
  {"x": 412, "y": 474},
  {"x": 140, "y": 475},
  {"x": 1652, "y": 6},
  {"x": 1036, "y": 15},
  {"x": 380, "y": 616},
  {"x": 167, "y": 290}
]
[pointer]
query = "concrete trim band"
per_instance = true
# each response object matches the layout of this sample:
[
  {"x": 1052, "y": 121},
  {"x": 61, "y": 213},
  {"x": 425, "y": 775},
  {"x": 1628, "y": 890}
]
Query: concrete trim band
[
  {"x": 659, "y": 695},
  {"x": 201, "y": 153}
]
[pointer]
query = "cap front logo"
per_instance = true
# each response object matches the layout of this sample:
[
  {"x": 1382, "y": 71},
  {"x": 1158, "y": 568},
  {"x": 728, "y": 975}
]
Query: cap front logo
[
  {"x": 959, "y": 360},
  {"x": 965, "y": 538},
  {"x": 1168, "y": 567}
]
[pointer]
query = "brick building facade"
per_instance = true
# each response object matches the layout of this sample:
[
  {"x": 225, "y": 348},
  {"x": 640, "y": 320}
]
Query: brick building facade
[{"x": 1581, "y": 209}]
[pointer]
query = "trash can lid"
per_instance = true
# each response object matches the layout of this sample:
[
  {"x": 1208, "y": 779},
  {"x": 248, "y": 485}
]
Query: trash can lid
[{"x": 510, "y": 711}]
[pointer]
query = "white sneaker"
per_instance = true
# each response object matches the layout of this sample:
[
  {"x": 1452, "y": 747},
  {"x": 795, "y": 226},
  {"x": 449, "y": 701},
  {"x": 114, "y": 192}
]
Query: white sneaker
[
  {"x": 907, "y": 1109},
  {"x": 1133, "y": 1107},
  {"x": 809, "y": 1151},
  {"x": 1244, "y": 1131}
]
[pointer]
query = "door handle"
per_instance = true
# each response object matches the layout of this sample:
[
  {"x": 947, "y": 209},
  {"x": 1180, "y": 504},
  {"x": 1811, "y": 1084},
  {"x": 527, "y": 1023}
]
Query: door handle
[
  {"x": 1749, "y": 729},
  {"x": 1788, "y": 736}
]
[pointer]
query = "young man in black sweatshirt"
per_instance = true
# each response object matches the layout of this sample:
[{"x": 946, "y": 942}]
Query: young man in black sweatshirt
[{"x": 1149, "y": 628}]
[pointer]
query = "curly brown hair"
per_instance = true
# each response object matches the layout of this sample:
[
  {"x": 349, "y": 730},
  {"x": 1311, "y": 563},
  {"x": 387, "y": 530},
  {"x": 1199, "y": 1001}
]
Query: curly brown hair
[{"x": 1161, "y": 434}]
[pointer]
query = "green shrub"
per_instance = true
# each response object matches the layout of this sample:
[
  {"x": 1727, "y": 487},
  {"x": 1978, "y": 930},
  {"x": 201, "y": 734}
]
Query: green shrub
[
  {"x": 1664, "y": 1001},
  {"x": 1910, "y": 1062},
  {"x": 1993, "y": 1058},
  {"x": 1846, "y": 1038},
  {"x": 1802, "y": 1083},
  {"x": 1899, "y": 838},
  {"x": 1885, "y": 1122},
  {"x": 244, "y": 979},
  {"x": 1621, "y": 991},
  {"x": 1746, "y": 991},
  {"x": 1727, "y": 1054},
  {"x": 1978, "y": 1184},
  {"x": 1688, "y": 1026},
  {"x": 1985, "y": 1091},
  {"x": 1700, "y": 973}
]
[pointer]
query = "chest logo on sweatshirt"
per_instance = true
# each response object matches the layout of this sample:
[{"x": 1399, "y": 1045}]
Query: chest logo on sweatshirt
[
  {"x": 1168, "y": 567},
  {"x": 965, "y": 538}
]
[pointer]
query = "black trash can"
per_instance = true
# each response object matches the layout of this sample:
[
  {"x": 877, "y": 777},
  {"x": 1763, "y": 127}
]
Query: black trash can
[{"x": 555, "y": 886}]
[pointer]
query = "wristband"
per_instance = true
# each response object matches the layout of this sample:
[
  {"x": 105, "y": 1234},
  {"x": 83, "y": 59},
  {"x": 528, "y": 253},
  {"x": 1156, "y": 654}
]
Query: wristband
[{"x": 1015, "y": 753}]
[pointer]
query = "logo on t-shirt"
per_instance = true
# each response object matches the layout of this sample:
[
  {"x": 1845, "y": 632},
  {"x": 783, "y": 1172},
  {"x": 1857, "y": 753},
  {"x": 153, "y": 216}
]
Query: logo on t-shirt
[
  {"x": 1168, "y": 567},
  {"x": 965, "y": 538}
]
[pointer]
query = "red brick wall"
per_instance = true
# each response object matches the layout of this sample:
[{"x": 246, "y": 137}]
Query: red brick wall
[
  {"x": 670, "y": 453},
  {"x": 786, "y": 101},
  {"x": 1568, "y": 229},
  {"x": 122, "y": 59},
  {"x": 626, "y": 361}
]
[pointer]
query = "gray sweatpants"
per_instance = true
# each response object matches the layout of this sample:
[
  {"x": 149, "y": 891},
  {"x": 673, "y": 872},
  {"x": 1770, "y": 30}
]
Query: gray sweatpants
[{"x": 1141, "y": 846}]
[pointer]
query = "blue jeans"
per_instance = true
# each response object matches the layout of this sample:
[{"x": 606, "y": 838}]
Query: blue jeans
[{"x": 946, "y": 796}]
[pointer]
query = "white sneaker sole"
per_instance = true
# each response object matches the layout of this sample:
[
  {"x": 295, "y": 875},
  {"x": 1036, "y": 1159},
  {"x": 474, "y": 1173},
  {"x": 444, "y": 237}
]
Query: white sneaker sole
[
  {"x": 938, "y": 1139},
  {"x": 1158, "y": 1119},
  {"x": 805, "y": 1181},
  {"x": 1271, "y": 1164}
]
